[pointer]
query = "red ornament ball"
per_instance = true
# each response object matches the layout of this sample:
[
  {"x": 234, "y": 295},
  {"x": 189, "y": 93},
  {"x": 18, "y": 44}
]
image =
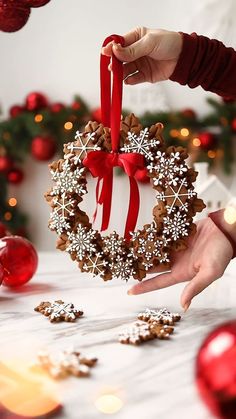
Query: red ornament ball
[
  {"x": 43, "y": 148},
  {"x": 233, "y": 125},
  {"x": 18, "y": 261},
  {"x": 15, "y": 176},
  {"x": 188, "y": 113},
  {"x": 5, "y": 164},
  {"x": 36, "y": 3},
  {"x": 207, "y": 139},
  {"x": 57, "y": 107},
  {"x": 13, "y": 15},
  {"x": 35, "y": 101},
  {"x": 96, "y": 115},
  {"x": 16, "y": 110},
  {"x": 216, "y": 371}
]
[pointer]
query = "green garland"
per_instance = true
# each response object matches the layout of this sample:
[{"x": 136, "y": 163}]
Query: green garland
[{"x": 210, "y": 138}]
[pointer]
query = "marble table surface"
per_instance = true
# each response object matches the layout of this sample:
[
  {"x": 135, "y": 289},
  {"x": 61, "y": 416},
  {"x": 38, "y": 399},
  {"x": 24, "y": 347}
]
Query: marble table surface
[{"x": 153, "y": 381}]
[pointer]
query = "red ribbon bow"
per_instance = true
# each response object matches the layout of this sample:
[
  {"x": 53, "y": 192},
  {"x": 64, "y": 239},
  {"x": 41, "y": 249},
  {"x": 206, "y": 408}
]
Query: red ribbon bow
[{"x": 101, "y": 163}]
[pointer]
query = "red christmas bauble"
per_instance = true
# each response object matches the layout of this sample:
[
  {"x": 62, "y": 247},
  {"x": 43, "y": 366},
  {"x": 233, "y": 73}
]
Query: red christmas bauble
[
  {"x": 228, "y": 99},
  {"x": 35, "y": 101},
  {"x": 233, "y": 125},
  {"x": 18, "y": 260},
  {"x": 96, "y": 115},
  {"x": 207, "y": 139},
  {"x": 76, "y": 106},
  {"x": 13, "y": 15},
  {"x": 43, "y": 148},
  {"x": 15, "y": 176},
  {"x": 188, "y": 113},
  {"x": 216, "y": 371},
  {"x": 36, "y": 3},
  {"x": 5, "y": 163},
  {"x": 56, "y": 107},
  {"x": 16, "y": 110}
]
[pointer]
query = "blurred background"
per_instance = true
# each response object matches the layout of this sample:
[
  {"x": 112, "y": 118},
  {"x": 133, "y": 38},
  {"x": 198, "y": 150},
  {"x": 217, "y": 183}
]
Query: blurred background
[{"x": 49, "y": 88}]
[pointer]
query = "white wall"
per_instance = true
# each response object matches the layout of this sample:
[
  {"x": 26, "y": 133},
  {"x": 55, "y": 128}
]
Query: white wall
[{"x": 57, "y": 52}]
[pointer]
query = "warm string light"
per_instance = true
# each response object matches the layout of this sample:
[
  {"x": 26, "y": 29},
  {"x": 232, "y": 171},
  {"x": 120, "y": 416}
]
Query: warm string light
[
  {"x": 38, "y": 118},
  {"x": 8, "y": 216},
  {"x": 196, "y": 142},
  {"x": 68, "y": 125},
  {"x": 230, "y": 215},
  {"x": 12, "y": 202},
  {"x": 174, "y": 133},
  {"x": 184, "y": 132},
  {"x": 211, "y": 154},
  {"x": 6, "y": 136},
  {"x": 108, "y": 403}
]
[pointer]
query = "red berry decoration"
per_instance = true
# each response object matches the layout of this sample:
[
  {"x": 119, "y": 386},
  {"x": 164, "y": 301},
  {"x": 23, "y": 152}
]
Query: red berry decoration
[
  {"x": 5, "y": 164},
  {"x": 233, "y": 125},
  {"x": 16, "y": 110},
  {"x": 35, "y": 101},
  {"x": 216, "y": 371},
  {"x": 207, "y": 139},
  {"x": 76, "y": 106},
  {"x": 15, "y": 176},
  {"x": 43, "y": 148},
  {"x": 18, "y": 261},
  {"x": 57, "y": 107},
  {"x": 36, "y": 3},
  {"x": 188, "y": 113},
  {"x": 13, "y": 15}
]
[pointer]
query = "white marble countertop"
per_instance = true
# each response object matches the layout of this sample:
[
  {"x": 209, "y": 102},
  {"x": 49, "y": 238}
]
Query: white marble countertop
[{"x": 155, "y": 380}]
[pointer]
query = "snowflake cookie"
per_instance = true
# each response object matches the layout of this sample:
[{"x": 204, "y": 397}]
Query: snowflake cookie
[
  {"x": 59, "y": 311},
  {"x": 161, "y": 316},
  {"x": 63, "y": 364},
  {"x": 113, "y": 256}
]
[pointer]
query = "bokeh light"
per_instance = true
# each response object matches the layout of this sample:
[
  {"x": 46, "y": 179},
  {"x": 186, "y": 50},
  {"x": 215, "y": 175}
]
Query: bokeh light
[
  {"x": 68, "y": 125},
  {"x": 108, "y": 403},
  {"x": 230, "y": 214}
]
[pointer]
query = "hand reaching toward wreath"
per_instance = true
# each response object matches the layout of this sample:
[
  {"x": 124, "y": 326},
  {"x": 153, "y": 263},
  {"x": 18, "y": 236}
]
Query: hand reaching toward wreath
[
  {"x": 205, "y": 260},
  {"x": 150, "y": 55}
]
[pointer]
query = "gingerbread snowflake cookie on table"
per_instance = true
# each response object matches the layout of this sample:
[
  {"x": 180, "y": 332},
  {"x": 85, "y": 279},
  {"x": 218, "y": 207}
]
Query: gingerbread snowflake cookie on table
[{"x": 113, "y": 256}]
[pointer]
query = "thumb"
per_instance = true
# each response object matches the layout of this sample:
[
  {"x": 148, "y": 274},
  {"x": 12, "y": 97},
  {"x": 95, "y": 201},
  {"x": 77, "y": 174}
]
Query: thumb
[
  {"x": 201, "y": 281},
  {"x": 132, "y": 52}
]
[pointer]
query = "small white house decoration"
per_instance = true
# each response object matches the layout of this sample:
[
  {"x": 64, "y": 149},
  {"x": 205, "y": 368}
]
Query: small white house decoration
[{"x": 209, "y": 188}]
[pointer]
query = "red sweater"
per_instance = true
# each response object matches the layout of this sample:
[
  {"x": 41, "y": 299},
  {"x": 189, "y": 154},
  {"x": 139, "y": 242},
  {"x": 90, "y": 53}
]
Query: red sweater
[
  {"x": 207, "y": 63},
  {"x": 210, "y": 64}
]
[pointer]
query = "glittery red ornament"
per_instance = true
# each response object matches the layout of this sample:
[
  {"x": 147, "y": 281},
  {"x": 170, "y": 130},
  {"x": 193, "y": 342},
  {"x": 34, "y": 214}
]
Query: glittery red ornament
[
  {"x": 96, "y": 115},
  {"x": 15, "y": 176},
  {"x": 13, "y": 15},
  {"x": 18, "y": 260},
  {"x": 16, "y": 110},
  {"x": 216, "y": 371},
  {"x": 5, "y": 163},
  {"x": 233, "y": 125},
  {"x": 35, "y": 3},
  {"x": 188, "y": 113},
  {"x": 35, "y": 101},
  {"x": 43, "y": 148},
  {"x": 56, "y": 107},
  {"x": 207, "y": 139}
]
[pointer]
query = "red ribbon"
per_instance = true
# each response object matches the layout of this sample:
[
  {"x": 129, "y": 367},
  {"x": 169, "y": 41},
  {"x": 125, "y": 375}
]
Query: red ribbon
[{"x": 101, "y": 163}]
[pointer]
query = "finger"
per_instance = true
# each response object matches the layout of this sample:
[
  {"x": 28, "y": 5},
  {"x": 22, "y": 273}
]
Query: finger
[
  {"x": 136, "y": 78},
  {"x": 201, "y": 281},
  {"x": 132, "y": 52},
  {"x": 156, "y": 283},
  {"x": 134, "y": 35},
  {"x": 107, "y": 50},
  {"x": 129, "y": 68}
]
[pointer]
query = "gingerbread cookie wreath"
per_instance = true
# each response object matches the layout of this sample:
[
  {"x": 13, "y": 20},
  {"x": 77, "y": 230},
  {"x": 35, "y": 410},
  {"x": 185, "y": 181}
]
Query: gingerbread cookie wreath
[{"x": 136, "y": 150}]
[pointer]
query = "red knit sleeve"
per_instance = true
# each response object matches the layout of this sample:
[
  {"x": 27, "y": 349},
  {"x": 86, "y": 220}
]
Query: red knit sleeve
[{"x": 207, "y": 63}]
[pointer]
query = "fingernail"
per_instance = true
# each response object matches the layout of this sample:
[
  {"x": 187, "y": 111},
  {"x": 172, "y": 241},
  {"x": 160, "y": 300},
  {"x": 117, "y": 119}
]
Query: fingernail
[
  {"x": 186, "y": 306},
  {"x": 117, "y": 46},
  {"x": 129, "y": 292}
]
